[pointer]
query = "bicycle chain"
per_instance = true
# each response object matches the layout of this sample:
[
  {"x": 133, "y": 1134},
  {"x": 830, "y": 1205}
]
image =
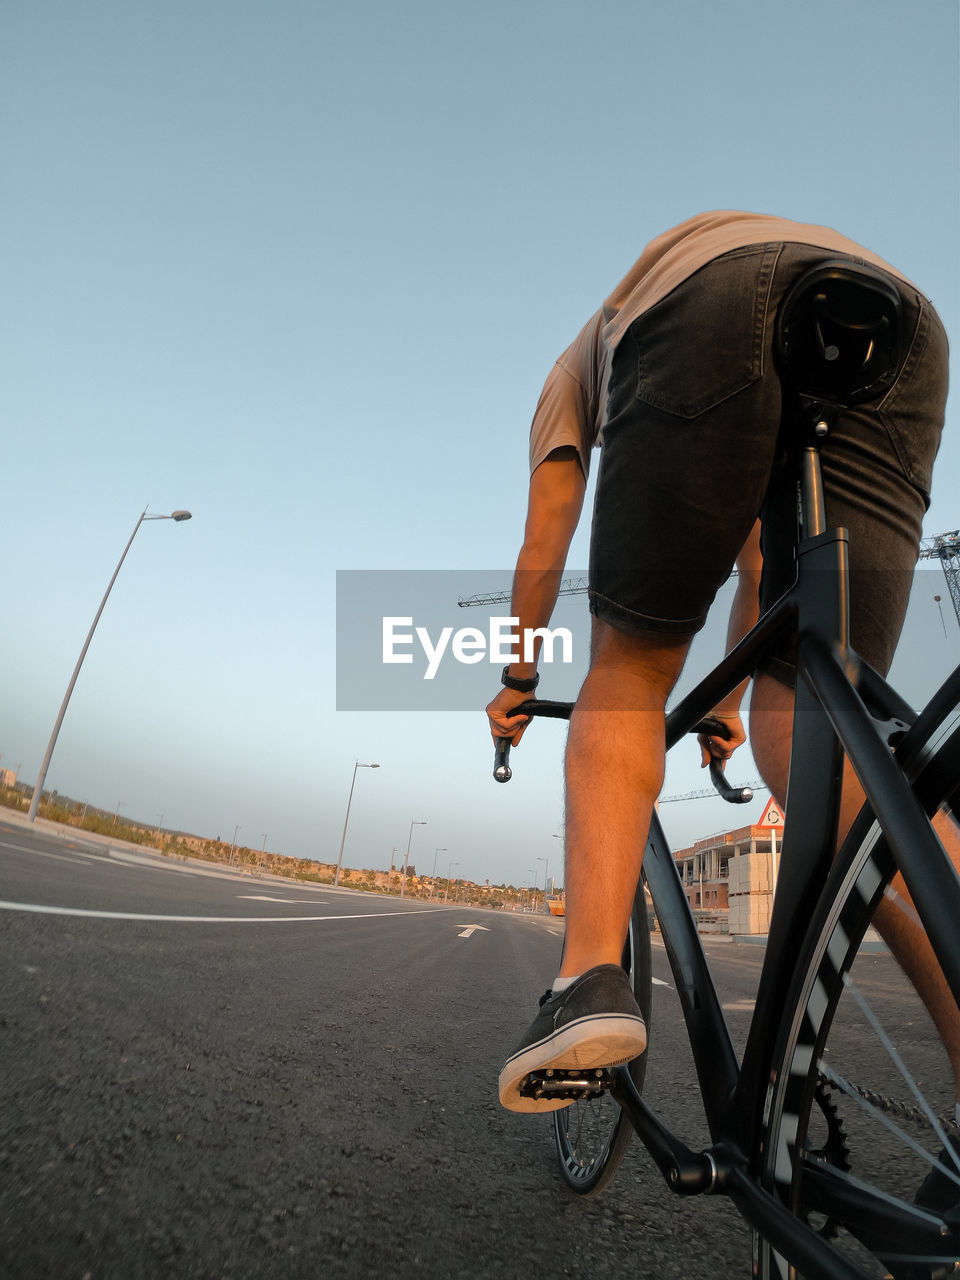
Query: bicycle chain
[{"x": 903, "y": 1110}]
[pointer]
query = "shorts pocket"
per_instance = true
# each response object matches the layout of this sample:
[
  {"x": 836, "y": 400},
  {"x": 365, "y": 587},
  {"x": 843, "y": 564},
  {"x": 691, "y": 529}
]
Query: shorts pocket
[
  {"x": 704, "y": 341},
  {"x": 912, "y": 411}
]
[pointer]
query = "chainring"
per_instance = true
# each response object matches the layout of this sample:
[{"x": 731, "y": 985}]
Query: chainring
[{"x": 833, "y": 1150}]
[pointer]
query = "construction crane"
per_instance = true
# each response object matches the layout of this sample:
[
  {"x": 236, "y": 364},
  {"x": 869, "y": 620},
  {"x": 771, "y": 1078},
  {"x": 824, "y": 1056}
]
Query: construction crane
[
  {"x": 568, "y": 587},
  {"x": 709, "y": 793},
  {"x": 945, "y": 547}
]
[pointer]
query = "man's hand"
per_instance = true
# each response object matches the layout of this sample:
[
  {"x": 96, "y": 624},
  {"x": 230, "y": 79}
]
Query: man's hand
[
  {"x": 743, "y": 615},
  {"x": 502, "y": 725},
  {"x": 553, "y": 509},
  {"x": 713, "y": 747}
]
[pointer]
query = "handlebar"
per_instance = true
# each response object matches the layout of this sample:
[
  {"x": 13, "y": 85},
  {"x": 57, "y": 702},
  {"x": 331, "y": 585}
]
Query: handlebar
[
  {"x": 561, "y": 711},
  {"x": 732, "y": 794}
]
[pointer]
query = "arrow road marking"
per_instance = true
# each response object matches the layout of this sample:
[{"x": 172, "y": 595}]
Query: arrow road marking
[{"x": 472, "y": 928}]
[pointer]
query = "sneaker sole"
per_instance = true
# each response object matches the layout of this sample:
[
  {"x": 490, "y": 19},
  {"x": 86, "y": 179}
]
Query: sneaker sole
[{"x": 610, "y": 1041}]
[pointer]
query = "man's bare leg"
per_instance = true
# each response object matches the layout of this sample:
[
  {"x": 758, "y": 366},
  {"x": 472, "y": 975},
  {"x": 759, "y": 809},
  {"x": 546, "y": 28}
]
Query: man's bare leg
[
  {"x": 614, "y": 771},
  {"x": 771, "y": 720},
  {"x": 614, "y": 766}
]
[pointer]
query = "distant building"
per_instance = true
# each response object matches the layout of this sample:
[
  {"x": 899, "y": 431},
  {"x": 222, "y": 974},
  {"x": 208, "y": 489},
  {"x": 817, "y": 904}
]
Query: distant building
[
  {"x": 8, "y": 778},
  {"x": 732, "y": 874}
]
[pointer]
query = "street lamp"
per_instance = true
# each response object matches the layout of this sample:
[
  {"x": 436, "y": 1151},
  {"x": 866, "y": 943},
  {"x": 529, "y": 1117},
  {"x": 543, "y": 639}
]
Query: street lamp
[
  {"x": 42, "y": 776},
  {"x": 563, "y": 847},
  {"x": 446, "y": 893},
  {"x": 406, "y": 857},
  {"x": 433, "y": 876},
  {"x": 343, "y": 838},
  {"x": 234, "y": 845},
  {"x": 546, "y": 868}
]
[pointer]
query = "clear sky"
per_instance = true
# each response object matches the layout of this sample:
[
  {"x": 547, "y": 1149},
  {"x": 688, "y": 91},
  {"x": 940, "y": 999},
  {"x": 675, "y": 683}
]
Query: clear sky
[{"x": 302, "y": 267}]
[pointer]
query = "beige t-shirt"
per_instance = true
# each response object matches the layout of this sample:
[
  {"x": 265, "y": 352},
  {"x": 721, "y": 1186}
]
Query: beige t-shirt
[{"x": 573, "y": 401}]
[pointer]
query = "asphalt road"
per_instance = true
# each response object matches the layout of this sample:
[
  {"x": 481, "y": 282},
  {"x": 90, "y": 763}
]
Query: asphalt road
[{"x": 220, "y": 1076}]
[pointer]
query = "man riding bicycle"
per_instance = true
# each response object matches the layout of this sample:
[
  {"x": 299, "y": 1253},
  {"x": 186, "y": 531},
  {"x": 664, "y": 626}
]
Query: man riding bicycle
[{"x": 674, "y": 379}]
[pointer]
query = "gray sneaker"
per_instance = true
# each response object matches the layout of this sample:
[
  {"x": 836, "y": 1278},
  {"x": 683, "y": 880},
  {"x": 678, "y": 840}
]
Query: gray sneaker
[{"x": 595, "y": 1023}]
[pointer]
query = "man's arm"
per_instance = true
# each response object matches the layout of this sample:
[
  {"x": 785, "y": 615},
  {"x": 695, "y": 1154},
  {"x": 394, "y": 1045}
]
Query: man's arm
[
  {"x": 744, "y": 612},
  {"x": 553, "y": 510}
]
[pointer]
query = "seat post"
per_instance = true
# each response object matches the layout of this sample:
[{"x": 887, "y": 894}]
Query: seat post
[{"x": 813, "y": 513}]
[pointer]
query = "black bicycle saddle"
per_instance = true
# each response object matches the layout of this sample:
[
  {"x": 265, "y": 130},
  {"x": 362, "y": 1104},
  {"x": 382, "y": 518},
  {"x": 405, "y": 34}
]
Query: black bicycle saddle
[{"x": 839, "y": 333}]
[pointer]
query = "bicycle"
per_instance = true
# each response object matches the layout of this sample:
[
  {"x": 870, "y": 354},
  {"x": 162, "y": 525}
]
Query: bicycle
[{"x": 811, "y": 1144}]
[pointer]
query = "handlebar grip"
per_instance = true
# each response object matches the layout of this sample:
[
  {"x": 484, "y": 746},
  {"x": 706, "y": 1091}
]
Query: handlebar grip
[
  {"x": 734, "y": 795},
  {"x": 501, "y": 754},
  {"x": 544, "y": 707},
  {"x": 533, "y": 707}
]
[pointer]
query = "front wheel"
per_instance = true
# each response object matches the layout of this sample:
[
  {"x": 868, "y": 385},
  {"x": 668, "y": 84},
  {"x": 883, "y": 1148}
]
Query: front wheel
[
  {"x": 862, "y": 1138},
  {"x": 593, "y": 1133}
]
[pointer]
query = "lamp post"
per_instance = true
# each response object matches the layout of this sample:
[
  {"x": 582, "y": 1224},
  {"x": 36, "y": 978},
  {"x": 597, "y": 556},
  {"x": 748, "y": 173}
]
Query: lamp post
[
  {"x": 446, "y": 893},
  {"x": 234, "y": 845},
  {"x": 546, "y": 868},
  {"x": 42, "y": 775},
  {"x": 533, "y": 892},
  {"x": 343, "y": 838},
  {"x": 433, "y": 876},
  {"x": 160, "y": 832},
  {"x": 406, "y": 857},
  {"x": 263, "y": 850}
]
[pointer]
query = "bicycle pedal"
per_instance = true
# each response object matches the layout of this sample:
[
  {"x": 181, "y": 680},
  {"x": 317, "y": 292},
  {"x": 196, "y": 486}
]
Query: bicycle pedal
[{"x": 560, "y": 1082}]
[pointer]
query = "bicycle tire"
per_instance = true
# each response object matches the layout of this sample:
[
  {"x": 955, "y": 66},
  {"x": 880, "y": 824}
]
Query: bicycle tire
[
  {"x": 835, "y": 1119},
  {"x": 593, "y": 1134}
]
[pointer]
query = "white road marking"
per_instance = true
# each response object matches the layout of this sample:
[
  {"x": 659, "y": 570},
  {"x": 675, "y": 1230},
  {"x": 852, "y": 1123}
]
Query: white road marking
[
  {"x": 158, "y": 863},
  {"x": 659, "y": 982},
  {"x": 85, "y": 859},
  {"x": 133, "y": 915},
  {"x": 472, "y": 928},
  {"x": 260, "y": 897}
]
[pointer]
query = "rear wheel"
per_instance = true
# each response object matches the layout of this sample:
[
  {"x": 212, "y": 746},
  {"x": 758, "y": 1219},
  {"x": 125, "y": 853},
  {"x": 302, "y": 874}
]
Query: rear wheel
[
  {"x": 593, "y": 1133},
  {"x": 862, "y": 1139}
]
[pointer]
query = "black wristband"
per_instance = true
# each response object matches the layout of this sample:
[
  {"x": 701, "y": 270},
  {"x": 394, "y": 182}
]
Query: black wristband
[{"x": 521, "y": 686}]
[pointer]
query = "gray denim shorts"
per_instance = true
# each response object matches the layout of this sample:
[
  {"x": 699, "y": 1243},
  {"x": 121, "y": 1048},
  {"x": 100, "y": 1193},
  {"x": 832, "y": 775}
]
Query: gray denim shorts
[{"x": 692, "y": 454}]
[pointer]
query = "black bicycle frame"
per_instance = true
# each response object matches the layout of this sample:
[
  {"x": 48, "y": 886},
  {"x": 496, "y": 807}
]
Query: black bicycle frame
[{"x": 841, "y": 707}]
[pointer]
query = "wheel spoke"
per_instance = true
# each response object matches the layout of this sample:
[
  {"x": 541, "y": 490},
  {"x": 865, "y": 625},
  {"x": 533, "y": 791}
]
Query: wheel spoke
[
  {"x": 895, "y": 1057},
  {"x": 875, "y": 1114}
]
